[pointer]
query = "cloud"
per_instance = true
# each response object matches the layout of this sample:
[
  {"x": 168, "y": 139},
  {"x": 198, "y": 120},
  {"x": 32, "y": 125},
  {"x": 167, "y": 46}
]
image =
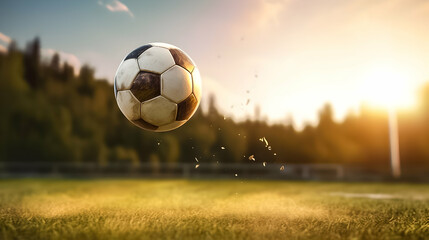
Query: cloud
[
  {"x": 3, "y": 49},
  {"x": 4, "y": 38},
  {"x": 261, "y": 14},
  {"x": 116, "y": 6},
  {"x": 70, "y": 58},
  {"x": 268, "y": 12},
  {"x": 47, "y": 54}
]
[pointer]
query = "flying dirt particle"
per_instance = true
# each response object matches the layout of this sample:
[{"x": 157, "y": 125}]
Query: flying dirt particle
[
  {"x": 264, "y": 164},
  {"x": 197, "y": 165},
  {"x": 192, "y": 147},
  {"x": 248, "y": 91},
  {"x": 275, "y": 154},
  {"x": 256, "y": 75},
  {"x": 269, "y": 148},
  {"x": 248, "y": 101},
  {"x": 218, "y": 129},
  {"x": 282, "y": 168},
  {"x": 223, "y": 148},
  {"x": 264, "y": 140},
  {"x": 252, "y": 158},
  {"x": 236, "y": 175},
  {"x": 196, "y": 159},
  {"x": 159, "y": 143},
  {"x": 238, "y": 134},
  {"x": 224, "y": 118}
]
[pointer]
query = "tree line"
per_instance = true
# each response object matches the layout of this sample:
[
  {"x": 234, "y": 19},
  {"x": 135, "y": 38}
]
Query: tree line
[{"x": 49, "y": 114}]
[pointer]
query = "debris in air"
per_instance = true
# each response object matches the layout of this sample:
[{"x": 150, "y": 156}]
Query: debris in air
[
  {"x": 223, "y": 148},
  {"x": 248, "y": 101},
  {"x": 197, "y": 165},
  {"x": 264, "y": 140},
  {"x": 269, "y": 148},
  {"x": 236, "y": 174},
  {"x": 275, "y": 154},
  {"x": 264, "y": 164},
  {"x": 282, "y": 168},
  {"x": 196, "y": 159},
  {"x": 252, "y": 158},
  {"x": 159, "y": 143}
]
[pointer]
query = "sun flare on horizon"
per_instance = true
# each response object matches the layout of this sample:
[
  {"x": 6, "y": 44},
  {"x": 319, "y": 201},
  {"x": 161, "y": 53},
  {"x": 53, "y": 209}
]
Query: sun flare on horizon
[{"x": 388, "y": 86}]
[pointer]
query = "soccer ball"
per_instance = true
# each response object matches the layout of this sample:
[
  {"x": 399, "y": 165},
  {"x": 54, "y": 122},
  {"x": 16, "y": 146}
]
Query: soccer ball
[{"x": 158, "y": 87}]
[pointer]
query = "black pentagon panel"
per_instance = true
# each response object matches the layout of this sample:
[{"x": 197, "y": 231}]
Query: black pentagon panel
[
  {"x": 114, "y": 87},
  {"x": 186, "y": 108},
  {"x": 145, "y": 125},
  {"x": 136, "y": 53},
  {"x": 182, "y": 60},
  {"x": 146, "y": 86}
]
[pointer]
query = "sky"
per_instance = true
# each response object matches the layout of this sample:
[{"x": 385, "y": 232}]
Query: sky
[{"x": 289, "y": 57}]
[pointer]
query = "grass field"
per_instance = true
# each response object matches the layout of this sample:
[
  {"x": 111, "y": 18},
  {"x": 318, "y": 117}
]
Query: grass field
[{"x": 194, "y": 209}]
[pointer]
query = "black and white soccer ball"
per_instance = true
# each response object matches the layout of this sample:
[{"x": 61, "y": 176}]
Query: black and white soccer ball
[{"x": 158, "y": 87}]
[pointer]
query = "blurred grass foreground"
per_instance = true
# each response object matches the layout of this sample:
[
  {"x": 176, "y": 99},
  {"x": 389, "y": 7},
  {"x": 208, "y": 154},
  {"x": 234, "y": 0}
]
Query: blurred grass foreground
[
  {"x": 184, "y": 209},
  {"x": 53, "y": 120}
]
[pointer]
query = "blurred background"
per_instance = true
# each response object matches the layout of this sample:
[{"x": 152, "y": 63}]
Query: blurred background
[{"x": 292, "y": 90}]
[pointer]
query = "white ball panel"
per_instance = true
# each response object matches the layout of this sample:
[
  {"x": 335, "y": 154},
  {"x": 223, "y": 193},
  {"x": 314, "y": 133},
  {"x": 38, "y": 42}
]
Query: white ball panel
[
  {"x": 156, "y": 59},
  {"x": 196, "y": 86},
  {"x": 170, "y": 126},
  {"x": 128, "y": 104},
  {"x": 126, "y": 74},
  {"x": 163, "y": 45},
  {"x": 158, "y": 111},
  {"x": 176, "y": 84}
]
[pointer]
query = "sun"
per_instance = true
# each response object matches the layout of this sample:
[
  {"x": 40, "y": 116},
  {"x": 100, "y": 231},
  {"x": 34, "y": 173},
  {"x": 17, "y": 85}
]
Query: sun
[{"x": 388, "y": 86}]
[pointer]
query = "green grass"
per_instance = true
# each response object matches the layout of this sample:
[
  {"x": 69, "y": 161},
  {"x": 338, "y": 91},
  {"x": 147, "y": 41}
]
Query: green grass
[{"x": 181, "y": 209}]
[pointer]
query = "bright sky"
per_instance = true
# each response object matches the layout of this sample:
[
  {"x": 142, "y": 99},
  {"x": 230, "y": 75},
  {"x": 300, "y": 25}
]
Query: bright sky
[{"x": 289, "y": 57}]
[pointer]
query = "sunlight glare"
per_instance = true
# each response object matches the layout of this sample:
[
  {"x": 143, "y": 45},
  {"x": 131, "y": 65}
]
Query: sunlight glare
[{"x": 388, "y": 86}]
